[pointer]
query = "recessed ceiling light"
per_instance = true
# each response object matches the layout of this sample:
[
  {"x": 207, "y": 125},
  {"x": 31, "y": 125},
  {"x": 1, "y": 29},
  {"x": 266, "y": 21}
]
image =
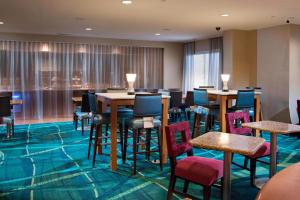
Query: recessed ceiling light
[
  {"x": 225, "y": 15},
  {"x": 1, "y": 22},
  {"x": 157, "y": 34},
  {"x": 126, "y": 2},
  {"x": 88, "y": 29}
]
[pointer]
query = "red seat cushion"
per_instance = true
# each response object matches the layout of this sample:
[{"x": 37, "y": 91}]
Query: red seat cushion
[
  {"x": 204, "y": 171},
  {"x": 265, "y": 150}
]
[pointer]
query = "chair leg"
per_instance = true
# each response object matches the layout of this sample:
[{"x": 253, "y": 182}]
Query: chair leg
[
  {"x": 106, "y": 134},
  {"x": 246, "y": 159},
  {"x": 159, "y": 138},
  {"x": 186, "y": 186},
  {"x": 121, "y": 138},
  {"x": 134, "y": 150},
  {"x": 148, "y": 143},
  {"x": 82, "y": 126},
  {"x": 206, "y": 192},
  {"x": 98, "y": 134},
  {"x": 125, "y": 144},
  {"x": 76, "y": 122},
  {"x": 252, "y": 171},
  {"x": 194, "y": 126},
  {"x": 138, "y": 139},
  {"x": 13, "y": 127},
  {"x": 90, "y": 140},
  {"x": 171, "y": 187}
]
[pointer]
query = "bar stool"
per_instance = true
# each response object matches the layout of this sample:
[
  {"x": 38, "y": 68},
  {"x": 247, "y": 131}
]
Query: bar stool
[
  {"x": 6, "y": 116},
  {"x": 97, "y": 120},
  {"x": 83, "y": 114},
  {"x": 201, "y": 99},
  {"x": 175, "y": 109},
  {"x": 143, "y": 113}
]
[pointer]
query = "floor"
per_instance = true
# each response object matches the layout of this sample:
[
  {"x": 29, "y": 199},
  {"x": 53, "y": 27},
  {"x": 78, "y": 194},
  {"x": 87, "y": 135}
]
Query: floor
[{"x": 49, "y": 161}]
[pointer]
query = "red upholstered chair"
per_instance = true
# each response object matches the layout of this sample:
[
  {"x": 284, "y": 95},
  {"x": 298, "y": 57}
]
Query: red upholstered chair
[
  {"x": 234, "y": 125},
  {"x": 199, "y": 170}
]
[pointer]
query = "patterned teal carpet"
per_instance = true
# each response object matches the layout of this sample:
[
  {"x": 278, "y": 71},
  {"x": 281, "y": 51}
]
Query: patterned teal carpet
[{"x": 49, "y": 161}]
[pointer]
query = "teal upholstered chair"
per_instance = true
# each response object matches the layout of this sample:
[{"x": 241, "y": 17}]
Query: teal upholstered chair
[
  {"x": 97, "y": 120},
  {"x": 244, "y": 102},
  {"x": 83, "y": 114},
  {"x": 6, "y": 116},
  {"x": 201, "y": 99},
  {"x": 145, "y": 105}
]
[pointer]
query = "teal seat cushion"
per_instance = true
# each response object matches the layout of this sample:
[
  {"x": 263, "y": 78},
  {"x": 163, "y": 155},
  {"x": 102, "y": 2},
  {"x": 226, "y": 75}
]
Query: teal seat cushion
[
  {"x": 139, "y": 123},
  {"x": 77, "y": 109},
  {"x": 7, "y": 120},
  {"x": 82, "y": 115},
  {"x": 123, "y": 112}
]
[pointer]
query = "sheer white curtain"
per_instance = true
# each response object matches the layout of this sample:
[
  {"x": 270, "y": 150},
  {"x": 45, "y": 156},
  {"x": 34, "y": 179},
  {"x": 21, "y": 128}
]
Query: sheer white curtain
[
  {"x": 188, "y": 66},
  {"x": 44, "y": 74},
  {"x": 215, "y": 62},
  {"x": 203, "y": 66}
]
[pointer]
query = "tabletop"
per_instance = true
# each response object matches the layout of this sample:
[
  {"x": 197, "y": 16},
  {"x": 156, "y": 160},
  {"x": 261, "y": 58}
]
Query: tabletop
[
  {"x": 246, "y": 145},
  {"x": 230, "y": 92},
  {"x": 115, "y": 96},
  {"x": 272, "y": 126},
  {"x": 284, "y": 185},
  {"x": 16, "y": 102}
]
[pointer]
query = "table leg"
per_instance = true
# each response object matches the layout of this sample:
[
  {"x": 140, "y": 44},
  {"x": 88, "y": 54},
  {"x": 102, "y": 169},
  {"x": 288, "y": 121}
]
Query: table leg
[
  {"x": 164, "y": 124},
  {"x": 227, "y": 172},
  {"x": 273, "y": 164},
  {"x": 257, "y": 113},
  {"x": 223, "y": 106},
  {"x": 113, "y": 136}
]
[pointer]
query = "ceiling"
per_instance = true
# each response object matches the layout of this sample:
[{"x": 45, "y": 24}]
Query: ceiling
[{"x": 175, "y": 20}]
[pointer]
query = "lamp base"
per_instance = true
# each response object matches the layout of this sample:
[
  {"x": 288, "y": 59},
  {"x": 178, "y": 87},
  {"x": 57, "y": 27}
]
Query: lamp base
[{"x": 131, "y": 93}]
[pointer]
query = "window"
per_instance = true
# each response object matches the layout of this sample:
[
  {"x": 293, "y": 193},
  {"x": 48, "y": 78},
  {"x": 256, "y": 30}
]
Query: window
[{"x": 201, "y": 69}]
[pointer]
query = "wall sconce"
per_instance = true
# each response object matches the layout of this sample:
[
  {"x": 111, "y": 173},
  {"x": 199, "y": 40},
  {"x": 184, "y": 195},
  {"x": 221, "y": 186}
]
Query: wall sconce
[
  {"x": 130, "y": 79},
  {"x": 225, "y": 78}
]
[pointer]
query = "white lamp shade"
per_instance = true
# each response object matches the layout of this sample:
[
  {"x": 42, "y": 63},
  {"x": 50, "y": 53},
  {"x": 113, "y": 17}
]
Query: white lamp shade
[
  {"x": 225, "y": 77},
  {"x": 130, "y": 77}
]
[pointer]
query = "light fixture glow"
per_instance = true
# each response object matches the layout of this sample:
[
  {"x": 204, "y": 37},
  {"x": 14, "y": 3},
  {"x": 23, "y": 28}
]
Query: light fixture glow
[
  {"x": 126, "y": 2},
  {"x": 130, "y": 79},
  {"x": 88, "y": 29},
  {"x": 157, "y": 34},
  {"x": 45, "y": 48},
  {"x": 1, "y": 22},
  {"x": 225, "y": 78},
  {"x": 225, "y": 15}
]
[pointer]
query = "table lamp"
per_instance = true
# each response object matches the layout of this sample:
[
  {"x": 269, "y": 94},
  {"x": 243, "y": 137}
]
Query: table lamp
[
  {"x": 225, "y": 78},
  {"x": 130, "y": 79}
]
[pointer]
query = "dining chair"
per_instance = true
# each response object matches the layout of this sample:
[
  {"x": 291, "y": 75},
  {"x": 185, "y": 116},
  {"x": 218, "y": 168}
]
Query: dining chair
[
  {"x": 6, "y": 116},
  {"x": 97, "y": 120},
  {"x": 176, "y": 104},
  {"x": 234, "y": 123},
  {"x": 188, "y": 104},
  {"x": 201, "y": 99},
  {"x": 202, "y": 116},
  {"x": 145, "y": 117},
  {"x": 83, "y": 114},
  {"x": 244, "y": 102},
  {"x": 77, "y": 106},
  {"x": 195, "y": 169}
]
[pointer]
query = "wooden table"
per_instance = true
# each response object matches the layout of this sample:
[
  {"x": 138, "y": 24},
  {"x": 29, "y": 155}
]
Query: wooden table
[
  {"x": 123, "y": 99},
  {"x": 274, "y": 128},
  {"x": 76, "y": 100},
  {"x": 284, "y": 185},
  {"x": 223, "y": 97},
  {"x": 228, "y": 143},
  {"x": 16, "y": 102}
]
